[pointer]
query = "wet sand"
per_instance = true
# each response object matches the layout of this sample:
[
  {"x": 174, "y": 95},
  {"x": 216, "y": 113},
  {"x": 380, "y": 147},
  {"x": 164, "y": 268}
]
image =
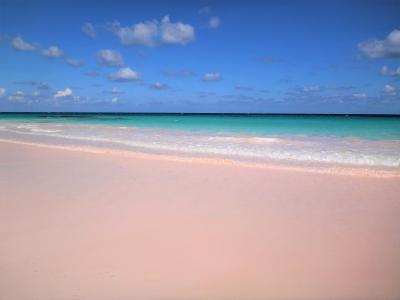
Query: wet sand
[{"x": 79, "y": 225}]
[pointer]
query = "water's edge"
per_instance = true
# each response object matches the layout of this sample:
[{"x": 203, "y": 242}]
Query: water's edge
[
  {"x": 347, "y": 171},
  {"x": 288, "y": 150}
]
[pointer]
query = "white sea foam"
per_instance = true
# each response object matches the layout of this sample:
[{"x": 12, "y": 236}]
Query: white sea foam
[
  {"x": 247, "y": 139},
  {"x": 26, "y": 126},
  {"x": 342, "y": 151},
  {"x": 44, "y": 130}
]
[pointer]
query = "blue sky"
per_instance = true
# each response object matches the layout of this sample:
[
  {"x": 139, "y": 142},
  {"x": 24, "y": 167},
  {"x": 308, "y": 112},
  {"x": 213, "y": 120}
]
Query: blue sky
[{"x": 200, "y": 56}]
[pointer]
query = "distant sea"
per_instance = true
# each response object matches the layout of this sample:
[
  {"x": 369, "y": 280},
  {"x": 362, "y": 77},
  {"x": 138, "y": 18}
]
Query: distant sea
[{"x": 352, "y": 140}]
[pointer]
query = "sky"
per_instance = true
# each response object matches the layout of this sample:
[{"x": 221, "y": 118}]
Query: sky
[{"x": 200, "y": 56}]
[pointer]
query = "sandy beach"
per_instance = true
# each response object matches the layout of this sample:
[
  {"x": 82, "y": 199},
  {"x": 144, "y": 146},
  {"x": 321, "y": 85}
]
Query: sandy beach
[{"x": 79, "y": 225}]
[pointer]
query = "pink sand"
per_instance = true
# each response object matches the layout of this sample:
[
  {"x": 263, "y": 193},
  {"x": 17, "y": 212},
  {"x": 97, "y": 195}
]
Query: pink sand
[{"x": 76, "y": 225}]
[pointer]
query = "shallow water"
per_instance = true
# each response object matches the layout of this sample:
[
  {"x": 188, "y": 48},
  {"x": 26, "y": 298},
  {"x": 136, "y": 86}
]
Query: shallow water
[
  {"x": 366, "y": 127},
  {"x": 369, "y": 142}
]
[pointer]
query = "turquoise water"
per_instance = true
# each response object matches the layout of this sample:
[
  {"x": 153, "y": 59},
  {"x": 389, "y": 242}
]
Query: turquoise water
[
  {"x": 305, "y": 139},
  {"x": 366, "y": 127}
]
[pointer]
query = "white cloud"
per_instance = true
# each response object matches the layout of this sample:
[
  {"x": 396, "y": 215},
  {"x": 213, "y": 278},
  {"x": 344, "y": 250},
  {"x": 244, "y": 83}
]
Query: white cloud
[
  {"x": 387, "y": 48},
  {"x": 19, "y": 44},
  {"x": 312, "y": 88},
  {"x": 176, "y": 33},
  {"x": 158, "y": 86},
  {"x": 214, "y": 22},
  {"x": 385, "y": 70},
  {"x": 124, "y": 74},
  {"x": 18, "y": 96},
  {"x": 43, "y": 85},
  {"x": 151, "y": 33},
  {"x": 388, "y": 72},
  {"x": 89, "y": 30},
  {"x": 144, "y": 33},
  {"x": 116, "y": 91},
  {"x": 74, "y": 62},
  {"x": 63, "y": 94},
  {"x": 52, "y": 51},
  {"x": 110, "y": 58},
  {"x": 360, "y": 95},
  {"x": 2, "y": 92},
  {"x": 389, "y": 89},
  {"x": 211, "y": 77},
  {"x": 27, "y": 98},
  {"x": 114, "y": 100}
]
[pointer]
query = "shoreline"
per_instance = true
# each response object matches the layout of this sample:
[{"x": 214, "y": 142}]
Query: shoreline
[
  {"x": 323, "y": 169},
  {"x": 321, "y": 153}
]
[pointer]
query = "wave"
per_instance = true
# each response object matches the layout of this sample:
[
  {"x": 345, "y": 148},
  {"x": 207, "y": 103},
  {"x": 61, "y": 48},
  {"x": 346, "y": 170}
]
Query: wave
[{"x": 287, "y": 149}]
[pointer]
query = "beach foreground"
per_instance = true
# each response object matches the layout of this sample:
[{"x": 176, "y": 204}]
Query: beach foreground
[{"x": 78, "y": 225}]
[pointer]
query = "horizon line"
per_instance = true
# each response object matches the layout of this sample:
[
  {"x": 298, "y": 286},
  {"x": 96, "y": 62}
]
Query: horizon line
[{"x": 201, "y": 113}]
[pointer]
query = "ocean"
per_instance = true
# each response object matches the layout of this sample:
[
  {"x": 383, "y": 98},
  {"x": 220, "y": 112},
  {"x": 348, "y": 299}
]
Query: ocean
[{"x": 366, "y": 141}]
